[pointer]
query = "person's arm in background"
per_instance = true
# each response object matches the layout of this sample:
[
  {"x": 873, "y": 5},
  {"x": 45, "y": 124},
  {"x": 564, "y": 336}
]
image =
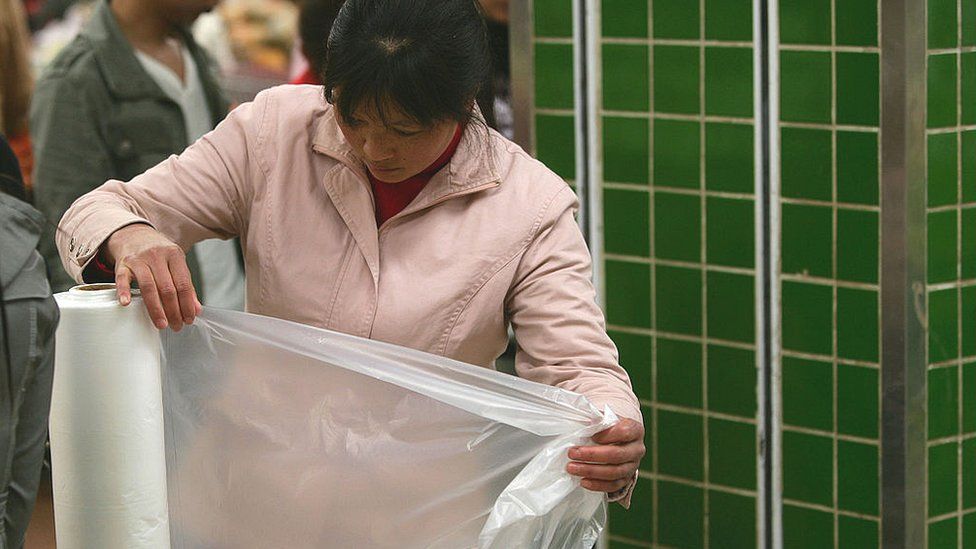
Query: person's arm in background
[
  {"x": 144, "y": 227},
  {"x": 71, "y": 157},
  {"x": 562, "y": 341}
]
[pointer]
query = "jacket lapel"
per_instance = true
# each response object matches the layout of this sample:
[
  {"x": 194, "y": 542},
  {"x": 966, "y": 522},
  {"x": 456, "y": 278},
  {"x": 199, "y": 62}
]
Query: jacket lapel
[{"x": 354, "y": 202}]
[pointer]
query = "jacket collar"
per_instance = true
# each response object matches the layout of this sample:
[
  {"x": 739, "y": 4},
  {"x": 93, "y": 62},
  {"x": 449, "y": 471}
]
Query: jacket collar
[
  {"x": 471, "y": 168},
  {"x": 124, "y": 74}
]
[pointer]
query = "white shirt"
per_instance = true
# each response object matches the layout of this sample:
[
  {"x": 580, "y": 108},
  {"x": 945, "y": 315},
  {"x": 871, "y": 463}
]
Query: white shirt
[{"x": 223, "y": 276}]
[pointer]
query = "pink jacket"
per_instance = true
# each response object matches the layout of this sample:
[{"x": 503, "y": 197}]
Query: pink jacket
[{"x": 491, "y": 240}]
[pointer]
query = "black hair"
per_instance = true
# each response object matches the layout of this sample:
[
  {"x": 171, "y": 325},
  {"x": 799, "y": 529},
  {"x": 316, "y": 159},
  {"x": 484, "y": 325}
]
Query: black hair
[
  {"x": 430, "y": 58},
  {"x": 314, "y": 24}
]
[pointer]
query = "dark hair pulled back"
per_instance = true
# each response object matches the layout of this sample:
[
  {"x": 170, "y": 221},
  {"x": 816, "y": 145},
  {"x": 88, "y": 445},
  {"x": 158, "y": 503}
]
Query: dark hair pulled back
[{"x": 430, "y": 58}]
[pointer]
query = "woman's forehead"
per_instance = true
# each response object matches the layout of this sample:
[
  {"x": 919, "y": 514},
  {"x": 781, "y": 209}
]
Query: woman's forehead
[{"x": 383, "y": 111}]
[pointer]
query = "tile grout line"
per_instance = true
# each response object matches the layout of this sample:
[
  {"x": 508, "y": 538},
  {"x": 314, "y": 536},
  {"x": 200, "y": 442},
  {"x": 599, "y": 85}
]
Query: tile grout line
[
  {"x": 959, "y": 334},
  {"x": 686, "y": 42},
  {"x": 679, "y": 190},
  {"x": 684, "y": 264},
  {"x": 703, "y": 256},
  {"x": 697, "y": 411},
  {"x": 696, "y": 339},
  {"x": 655, "y": 432},
  {"x": 828, "y": 127},
  {"x": 827, "y": 510},
  {"x": 827, "y": 359},
  {"x": 835, "y": 466},
  {"x": 816, "y": 48},
  {"x": 828, "y": 204},
  {"x": 682, "y": 117},
  {"x": 702, "y": 486},
  {"x": 823, "y": 281},
  {"x": 823, "y": 433}
]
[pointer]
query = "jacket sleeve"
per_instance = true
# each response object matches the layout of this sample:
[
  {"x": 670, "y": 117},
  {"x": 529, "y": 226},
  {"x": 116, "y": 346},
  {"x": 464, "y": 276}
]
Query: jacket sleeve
[
  {"x": 202, "y": 193},
  {"x": 71, "y": 158},
  {"x": 559, "y": 327}
]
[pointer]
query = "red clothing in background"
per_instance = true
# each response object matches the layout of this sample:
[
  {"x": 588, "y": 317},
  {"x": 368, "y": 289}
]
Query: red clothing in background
[
  {"x": 307, "y": 77},
  {"x": 392, "y": 198}
]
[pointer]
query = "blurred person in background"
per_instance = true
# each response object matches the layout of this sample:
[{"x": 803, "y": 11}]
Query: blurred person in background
[
  {"x": 130, "y": 90},
  {"x": 498, "y": 94},
  {"x": 380, "y": 205},
  {"x": 28, "y": 319},
  {"x": 16, "y": 83},
  {"x": 314, "y": 24}
]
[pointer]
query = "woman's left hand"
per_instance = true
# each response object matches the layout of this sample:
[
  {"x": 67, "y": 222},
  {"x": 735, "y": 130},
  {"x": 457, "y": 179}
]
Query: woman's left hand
[{"x": 610, "y": 466}]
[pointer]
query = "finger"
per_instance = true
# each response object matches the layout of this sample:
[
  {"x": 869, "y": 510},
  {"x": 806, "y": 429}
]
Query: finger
[
  {"x": 186, "y": 294},
  {"x": 167, "y": 293},
  {"x": 602, "y": 472},
  {"x": 614, "y": 454},
  {"x": 147, "y": 289},
  {"x": 123, "y": 284},
  {"x": 626, "y": 430},
  {"x": 608, "y": 486}
]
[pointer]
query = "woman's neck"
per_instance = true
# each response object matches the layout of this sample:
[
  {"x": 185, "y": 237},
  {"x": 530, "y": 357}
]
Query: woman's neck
[{"x": 143, "y": 25}]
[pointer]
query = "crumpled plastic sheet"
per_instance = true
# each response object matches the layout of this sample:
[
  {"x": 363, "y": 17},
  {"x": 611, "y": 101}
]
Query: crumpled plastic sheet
[{"x": 284, "y": 435}]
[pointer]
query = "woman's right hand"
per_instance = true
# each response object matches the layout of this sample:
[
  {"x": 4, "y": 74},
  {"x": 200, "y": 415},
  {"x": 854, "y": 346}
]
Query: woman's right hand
[{"x": 142, "y": 254}]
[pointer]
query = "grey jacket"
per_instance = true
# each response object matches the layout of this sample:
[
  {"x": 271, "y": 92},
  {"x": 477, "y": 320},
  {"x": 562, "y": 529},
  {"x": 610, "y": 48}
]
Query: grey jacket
[
  {"x": 97, "y": 115},
  {"x": 30, "y": 317}
]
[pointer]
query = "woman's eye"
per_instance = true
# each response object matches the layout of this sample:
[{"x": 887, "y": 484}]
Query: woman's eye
[{"x": 406, "y": 133}]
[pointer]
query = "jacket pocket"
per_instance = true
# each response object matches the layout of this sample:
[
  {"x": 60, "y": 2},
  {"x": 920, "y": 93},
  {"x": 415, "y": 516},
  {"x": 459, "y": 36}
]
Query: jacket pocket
[{"x": 139, "y": 142}]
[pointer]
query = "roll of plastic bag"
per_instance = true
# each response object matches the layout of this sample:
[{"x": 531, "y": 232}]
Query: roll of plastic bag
[
  {"x": 106, "y": 425},
  {"x": 284, "y": 435}
]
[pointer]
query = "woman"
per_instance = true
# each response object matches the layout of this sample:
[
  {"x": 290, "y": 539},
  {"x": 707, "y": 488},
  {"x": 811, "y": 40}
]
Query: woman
[{"x": 383, "y": 208}]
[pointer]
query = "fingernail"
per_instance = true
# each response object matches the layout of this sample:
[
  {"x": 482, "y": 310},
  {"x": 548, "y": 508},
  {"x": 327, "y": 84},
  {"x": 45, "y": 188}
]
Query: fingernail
[
  {"x": 161, "y": 324},
  {"x": 574, "y": 453},
  {"x": 572, "y": 469}
]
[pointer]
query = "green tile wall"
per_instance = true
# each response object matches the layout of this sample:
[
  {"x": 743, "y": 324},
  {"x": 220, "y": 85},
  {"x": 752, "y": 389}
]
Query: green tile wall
[
  {"x": 951, "y": 274},
  {"x": 829, "y": 272},
  {"x": 554, "y": 123},
  {"x": 676, "y": 118},
  {"x": 675, "y": 121}
]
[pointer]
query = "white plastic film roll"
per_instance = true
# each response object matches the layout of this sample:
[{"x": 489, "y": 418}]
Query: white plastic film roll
[{"x": 107, "y": 438}]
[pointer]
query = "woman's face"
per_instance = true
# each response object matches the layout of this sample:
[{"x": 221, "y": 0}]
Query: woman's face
[{"x": 399, "y": 149}]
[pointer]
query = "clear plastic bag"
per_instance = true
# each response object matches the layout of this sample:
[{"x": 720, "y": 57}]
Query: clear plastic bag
[{"x": 284, "y": 435}]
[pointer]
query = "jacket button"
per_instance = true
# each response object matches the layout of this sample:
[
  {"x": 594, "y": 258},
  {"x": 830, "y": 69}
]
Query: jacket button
[{"x": 125, "y": 146}]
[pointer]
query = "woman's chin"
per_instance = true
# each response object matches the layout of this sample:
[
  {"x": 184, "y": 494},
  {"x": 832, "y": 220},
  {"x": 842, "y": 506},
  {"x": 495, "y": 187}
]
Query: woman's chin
[{"x": 388, "y": 176}]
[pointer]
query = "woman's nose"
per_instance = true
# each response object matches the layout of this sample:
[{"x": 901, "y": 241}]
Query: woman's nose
[{"x": 375, "y": 150}]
